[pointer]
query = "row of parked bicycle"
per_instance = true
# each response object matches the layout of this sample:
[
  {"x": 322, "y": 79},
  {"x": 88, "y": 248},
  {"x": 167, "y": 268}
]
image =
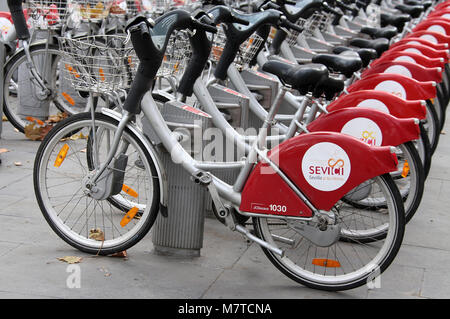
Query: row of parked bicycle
[{"x": 347, "y": 100}]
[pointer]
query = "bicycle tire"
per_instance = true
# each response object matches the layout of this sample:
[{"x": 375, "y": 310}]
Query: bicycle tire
[
  {"x": 86, "y": 244},
  {"x": 321, "y": 281}
]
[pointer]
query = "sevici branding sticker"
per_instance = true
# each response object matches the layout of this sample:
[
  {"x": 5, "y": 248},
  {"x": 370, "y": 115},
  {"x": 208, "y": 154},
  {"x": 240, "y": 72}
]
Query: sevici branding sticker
[
  {"x": 365, "y": 130},
  {"x": 326, "y": 166},
  {"x": 374, "y": 104},
  {"x": 392, "y": 87}
]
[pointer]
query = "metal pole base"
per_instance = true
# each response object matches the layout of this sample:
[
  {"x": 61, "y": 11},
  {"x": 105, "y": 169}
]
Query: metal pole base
[{"x": 176, "y": 252}]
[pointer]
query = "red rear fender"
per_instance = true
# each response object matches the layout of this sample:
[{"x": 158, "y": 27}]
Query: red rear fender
[
  {"x": 381, "y": 101},
  {"x": 412, "y": 57},
  {"x": 434, "y": 24},
  {"x": 422, "y": 49},
  {"x": 413, "y": 40},
  {"x": 411, "y": 70},
  {"x": 431, "y": 36},
  {"x": 323, "y": 165},
  {"x": 399, "y": 85},
  {"x": 368, "y": 125}
]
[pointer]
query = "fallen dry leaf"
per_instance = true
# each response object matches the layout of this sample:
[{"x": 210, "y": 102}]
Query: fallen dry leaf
[
  {"x": 122, "y": 254},
  {"x": 106, "y": 271},
  {"x": 18, "y": 163},
  {"x": 56, "y": 118},
  {"x": 71, "y": 259},
  {"x": 4, "y": 118},
  {"x": 45, "y": 130},
  {"x": 37, "y": 133},
  {"x": 78, "y": 136},
  {"x": 33, "y": 132},
  {"x": 96, "y": 234},
  {"x": 3, "y": 150}
]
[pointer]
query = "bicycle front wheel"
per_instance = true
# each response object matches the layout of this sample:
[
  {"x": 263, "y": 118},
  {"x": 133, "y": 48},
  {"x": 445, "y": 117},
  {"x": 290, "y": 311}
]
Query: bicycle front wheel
[
  {"x": 343, "y": 264},
  {"x": 89, "y": 224}
]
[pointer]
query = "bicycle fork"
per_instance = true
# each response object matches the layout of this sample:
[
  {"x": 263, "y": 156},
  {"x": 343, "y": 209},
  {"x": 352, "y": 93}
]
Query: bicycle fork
[{"x": 44, "y": 91}]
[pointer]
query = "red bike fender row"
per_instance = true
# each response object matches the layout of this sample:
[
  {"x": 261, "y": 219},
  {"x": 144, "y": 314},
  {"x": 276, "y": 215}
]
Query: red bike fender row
[
  {"x": 412, "y": 57},
  {"x": 324, "y": 165},
  {"x": 430, "y": 36},
  {"x": 443, "y": 14},
  {"x": 415, "y": 40},
  {"x": 372, "y": 127},
  {"x": 422, "y": 49},
  {"x": 441, "y": 6},
  {"x": 399, "y": 85},
  {"x": 381, "y": 101},
  {"x": 435, "y": 24},
  {"x": 408, "y": 69}
]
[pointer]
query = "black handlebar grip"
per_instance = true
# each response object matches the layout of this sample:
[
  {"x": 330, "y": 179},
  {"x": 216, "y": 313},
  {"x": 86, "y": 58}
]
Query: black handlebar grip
[
  {"x": 15, "y": 7},
  {"x": 228, "y": 55},
  {"x": 201, "y": 48}
]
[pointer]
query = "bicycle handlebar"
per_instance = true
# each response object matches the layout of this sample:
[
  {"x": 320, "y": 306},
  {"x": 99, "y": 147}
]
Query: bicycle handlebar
[
  {"x": 289, "y": 25},
  {"x": 15, "y": 7},
  {"x": 150, "y": 42}
]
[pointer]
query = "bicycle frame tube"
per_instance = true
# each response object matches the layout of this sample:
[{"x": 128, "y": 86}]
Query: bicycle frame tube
[
  {"x": 206, "y": 101},
  {"x": 180, "y": 156},
  {"x": 255, "y": 107}
]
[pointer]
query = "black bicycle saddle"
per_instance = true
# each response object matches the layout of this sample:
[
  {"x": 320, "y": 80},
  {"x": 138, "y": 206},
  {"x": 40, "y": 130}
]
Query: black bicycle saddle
[
  {"x": 303, "y": 78},
  {"x": 329, "y": 87},
  {"x": 365, "y": 54},
  {"x": 375, "y": 33},
  {"x": 397, "y": 20},
  {"x": 413, "y": 11},
  {"x": 345, "y": 63},
  {"x": 425, "y": 4},
  {"x": 380, "y": 45}
]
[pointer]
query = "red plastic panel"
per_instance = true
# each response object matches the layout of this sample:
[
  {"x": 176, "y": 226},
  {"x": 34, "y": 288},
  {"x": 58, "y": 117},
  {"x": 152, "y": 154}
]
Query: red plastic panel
[
  {"x": 323, "y": 165},
  {"x": 382, "y": 101}
]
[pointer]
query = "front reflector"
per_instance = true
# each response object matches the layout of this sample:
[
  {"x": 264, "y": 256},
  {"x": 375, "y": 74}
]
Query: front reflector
[
  {"x": 129, "y": 191},
  {"x": 405, "y": 170},
  {"x": 129, "y": 216},
  {"x": 61, "y": 155},
  {"x": 68, "y": 98},
  {"x": 329, "y": 263}
]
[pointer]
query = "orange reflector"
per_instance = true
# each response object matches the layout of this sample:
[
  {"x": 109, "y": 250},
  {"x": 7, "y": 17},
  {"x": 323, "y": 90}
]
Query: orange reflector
[
  {"x": 68, "y": 98},
  {"x": 102, "y": 74},
  {"x": 329, "y": 263},
  {"x": 61, "y": 155},
  {"x": 32, "y": 119},
  {"x": 129, "y": 191},
  {"x": 405, "y": 170},
  {"x": 72, "y": 71},
  {"x": 129, "y": 216}
]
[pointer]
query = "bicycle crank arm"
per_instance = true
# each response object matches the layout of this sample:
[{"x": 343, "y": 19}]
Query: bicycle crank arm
[{"x": 259, "y": 241}]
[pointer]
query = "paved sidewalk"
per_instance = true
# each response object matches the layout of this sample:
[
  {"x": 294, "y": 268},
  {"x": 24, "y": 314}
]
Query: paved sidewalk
[{"x": 229, "y": 267}]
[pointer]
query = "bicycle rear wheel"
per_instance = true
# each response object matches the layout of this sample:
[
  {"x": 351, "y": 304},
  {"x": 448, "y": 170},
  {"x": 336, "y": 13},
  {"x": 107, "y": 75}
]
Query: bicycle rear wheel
[
  {"x": 343, "y": 264},
  {"x": 72, "y": 211}
]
